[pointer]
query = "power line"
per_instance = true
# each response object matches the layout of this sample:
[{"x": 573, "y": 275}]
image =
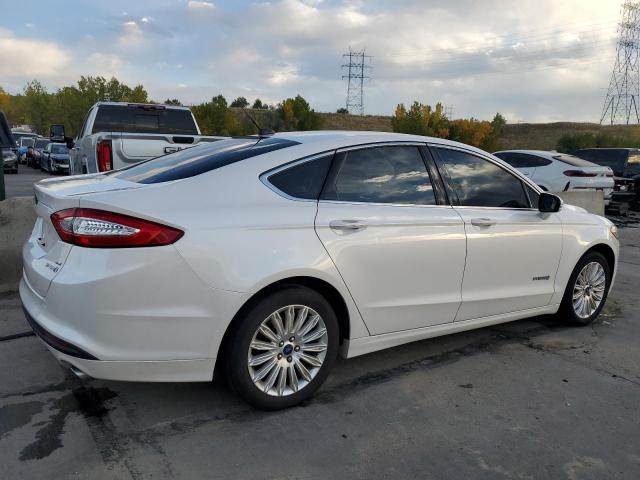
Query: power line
[
  {"x": 623, "y": 95},
  {"x": 355, "y": 75}
]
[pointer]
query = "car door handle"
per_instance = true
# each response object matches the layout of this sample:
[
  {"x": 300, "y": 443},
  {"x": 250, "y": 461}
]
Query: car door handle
[
  {"x": 347, "y": 225},
  {"x": 483, "y": 222}
]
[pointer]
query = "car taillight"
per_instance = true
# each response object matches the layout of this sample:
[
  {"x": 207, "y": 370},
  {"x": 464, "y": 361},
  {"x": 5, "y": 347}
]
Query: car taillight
[
  {"x": 88, "y": 227},
  {"x": 578, "y": 173},
  {"x": 104, "y": 156}
]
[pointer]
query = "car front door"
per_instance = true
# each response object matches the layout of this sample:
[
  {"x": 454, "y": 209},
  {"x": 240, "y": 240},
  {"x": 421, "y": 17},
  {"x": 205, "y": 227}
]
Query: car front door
[
  {"x": 513, "y": 249},
  {"x": 398, "y": 246}
]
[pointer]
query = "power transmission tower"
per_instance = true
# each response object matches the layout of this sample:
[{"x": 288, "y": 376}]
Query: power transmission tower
[
  {"x": 355, "y": 75},
  {"x": 623, "y": 95},
  {"x": 448, "y": 111}
]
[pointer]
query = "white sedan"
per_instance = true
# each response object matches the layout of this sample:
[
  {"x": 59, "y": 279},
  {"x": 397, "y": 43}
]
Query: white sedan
[
  {"x": 560, "y": 172},
  {"x": 271, "y": 256}
]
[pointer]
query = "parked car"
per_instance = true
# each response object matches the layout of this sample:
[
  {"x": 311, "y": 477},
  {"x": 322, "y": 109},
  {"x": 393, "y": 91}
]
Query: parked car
[
  {"x": 560, "y": 172},
  {"x": 10, "y": 160},
  {"x": 116, "y": 134},
  {"x": 34, "y": 155},
  {"x": 23, "y": 145},
  {"x": 18, "y": 135},
  {"x": 269, "y": 256},
  {"x": 55, "y": 158},
  {"x": 625, "y": 163}
]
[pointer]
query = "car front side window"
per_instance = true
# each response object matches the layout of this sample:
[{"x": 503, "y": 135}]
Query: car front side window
[{"x": 480, "y": 183}]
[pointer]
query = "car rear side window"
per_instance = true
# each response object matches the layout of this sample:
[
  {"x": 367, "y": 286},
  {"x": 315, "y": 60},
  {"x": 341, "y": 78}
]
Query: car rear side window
[
  {"x": 480, "y": 183},
  {"x": 199, "y": 159},
  {"x": 303, "y": 180},
  {"x": 390, "y": 174},
  {"x": 144, "y": 119}
]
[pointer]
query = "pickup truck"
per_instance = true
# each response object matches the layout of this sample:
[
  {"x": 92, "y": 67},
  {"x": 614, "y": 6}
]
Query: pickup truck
[{"x": 118, "y": 134}]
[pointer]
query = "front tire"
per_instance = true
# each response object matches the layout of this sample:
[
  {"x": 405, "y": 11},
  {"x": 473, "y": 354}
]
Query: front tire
[
  {"x": 587, "y": 290},
  {"x": 283, "y": 349}
]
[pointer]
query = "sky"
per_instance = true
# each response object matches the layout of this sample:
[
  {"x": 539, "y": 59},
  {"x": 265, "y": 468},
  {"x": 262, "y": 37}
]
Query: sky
[{"x": 531, "y": 60}]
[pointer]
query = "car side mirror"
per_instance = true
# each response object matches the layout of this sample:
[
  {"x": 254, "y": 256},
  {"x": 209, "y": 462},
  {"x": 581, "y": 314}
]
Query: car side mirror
[
  {"x": 56, "y": 133},
  {"x": 70, "y": 142},
  {"x": 549, "y": 203}
]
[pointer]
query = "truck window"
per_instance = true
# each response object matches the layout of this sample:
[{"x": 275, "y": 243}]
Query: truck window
[{"x": 144, "y": 119}]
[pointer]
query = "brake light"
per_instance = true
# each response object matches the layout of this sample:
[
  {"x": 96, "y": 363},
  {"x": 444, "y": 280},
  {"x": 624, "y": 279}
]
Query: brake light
[
  {"x": 578, "y": 173},
  {"x": 104, "y": 155},
  {"x": 88, "y": 227}
]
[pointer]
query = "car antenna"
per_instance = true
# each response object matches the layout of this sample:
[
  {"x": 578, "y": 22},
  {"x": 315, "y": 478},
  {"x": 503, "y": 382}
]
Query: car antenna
[{"x": 262, "y": 132}]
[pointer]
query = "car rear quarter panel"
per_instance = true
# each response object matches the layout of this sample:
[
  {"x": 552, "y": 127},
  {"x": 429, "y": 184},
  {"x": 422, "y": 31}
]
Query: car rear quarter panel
[
  {"x": 581, "y": 231},
  {"x": 240, "y": 236}
]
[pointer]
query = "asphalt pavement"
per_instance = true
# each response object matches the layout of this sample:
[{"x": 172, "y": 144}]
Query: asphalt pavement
[
  {"x": 21, "y": 184},
  {"x": 529, "y": 399}
]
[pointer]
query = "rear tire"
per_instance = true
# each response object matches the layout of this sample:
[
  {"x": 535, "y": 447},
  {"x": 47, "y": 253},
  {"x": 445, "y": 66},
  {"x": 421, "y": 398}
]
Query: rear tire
[
  {"x": 586, "y": 291},
  {"x": 288, "y": 364}
]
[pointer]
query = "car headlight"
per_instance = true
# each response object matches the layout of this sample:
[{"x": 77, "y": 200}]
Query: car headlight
[{"x": 614, "y": 231}]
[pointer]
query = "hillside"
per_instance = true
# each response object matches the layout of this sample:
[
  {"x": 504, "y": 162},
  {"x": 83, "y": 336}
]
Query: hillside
[{"x": 535, "y": 136}]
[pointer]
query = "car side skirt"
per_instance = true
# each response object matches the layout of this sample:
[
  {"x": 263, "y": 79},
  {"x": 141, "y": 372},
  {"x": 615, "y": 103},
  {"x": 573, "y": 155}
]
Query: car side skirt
[{"x": 361, "y": 346}]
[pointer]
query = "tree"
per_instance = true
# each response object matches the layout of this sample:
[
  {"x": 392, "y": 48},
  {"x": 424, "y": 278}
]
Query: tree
[
  {"x": 215, "y": 118},
  {"x": 297, "y": 114},
  {"x": 173, "y": 101},
  {"x": 258, "y": 105},
  {"x": 38, "y": 104},
  {"x": 421, "y": 120},
  {"x": 240, "y": 102},
  {"x": 342, "y": 110}
]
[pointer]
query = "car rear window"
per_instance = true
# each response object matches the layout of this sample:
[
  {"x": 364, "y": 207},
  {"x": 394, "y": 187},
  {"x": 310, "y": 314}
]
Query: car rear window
[
  {"x": 42, "y": 143},
  {"x": 199, "y": 159},
  {"x": 144, "y": 119},
  {"x": 573, "y": 160}
]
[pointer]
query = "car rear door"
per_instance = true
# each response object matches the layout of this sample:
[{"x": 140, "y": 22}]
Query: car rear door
[
  {"x": 513, "y": 249},
  {"x": 400, "y": 249}
]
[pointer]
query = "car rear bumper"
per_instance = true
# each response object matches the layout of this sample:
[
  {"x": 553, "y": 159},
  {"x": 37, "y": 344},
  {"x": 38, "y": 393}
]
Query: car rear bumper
[{"x": 140, "y": 319}]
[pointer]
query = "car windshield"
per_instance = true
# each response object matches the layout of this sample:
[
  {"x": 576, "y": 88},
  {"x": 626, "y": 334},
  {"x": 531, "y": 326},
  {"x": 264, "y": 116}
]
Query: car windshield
[
  {"x": 60, "y": 149},
  {"x": 199, "y": 159},
  {"x": 27, "y": 142},
  {"x": 573, "y": 160}
]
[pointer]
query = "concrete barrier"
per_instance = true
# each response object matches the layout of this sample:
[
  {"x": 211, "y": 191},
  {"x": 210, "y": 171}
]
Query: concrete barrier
[
  {"x": 17, "y": 217},
  {"x": 591, "y": 200}
]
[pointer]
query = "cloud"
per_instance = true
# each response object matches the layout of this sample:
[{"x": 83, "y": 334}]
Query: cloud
[
  {"x": 131, "y": 34},
  {"x": 198, "y": 5},
  {"x": 24, "y": 58},
  {"x": 283, "y": 75},
  {"x": 533, "y": 59},
  {"x": 105, "y": 64}
]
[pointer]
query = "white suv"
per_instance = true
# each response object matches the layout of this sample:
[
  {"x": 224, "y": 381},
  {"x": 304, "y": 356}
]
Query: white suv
[{"x": 559, "y": 172}]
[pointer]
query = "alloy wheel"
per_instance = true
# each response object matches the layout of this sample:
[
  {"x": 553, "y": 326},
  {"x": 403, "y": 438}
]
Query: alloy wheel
[
  {"x": 589, "y": 289},
  {"x": 287, "y": 350}
]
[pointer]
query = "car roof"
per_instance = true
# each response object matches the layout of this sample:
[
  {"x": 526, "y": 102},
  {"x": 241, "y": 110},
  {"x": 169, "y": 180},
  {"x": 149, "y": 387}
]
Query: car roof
[
  {"x": 540, "y": 153},
  {"x": 137, "y": 104},
  {"x": 345, "y": 138}
]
